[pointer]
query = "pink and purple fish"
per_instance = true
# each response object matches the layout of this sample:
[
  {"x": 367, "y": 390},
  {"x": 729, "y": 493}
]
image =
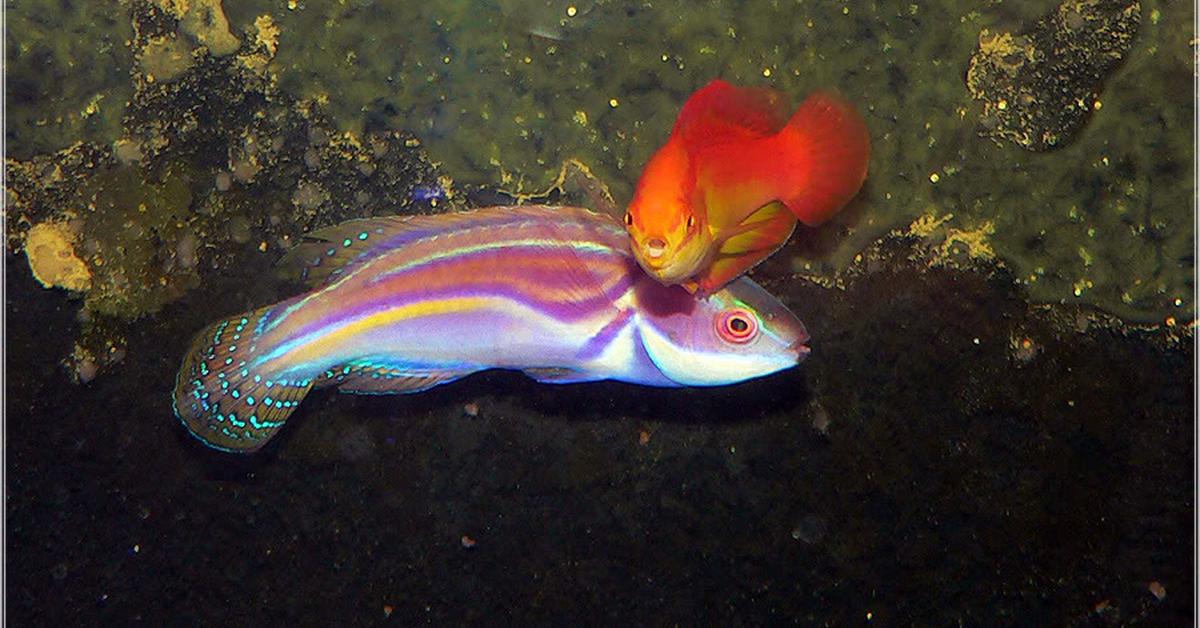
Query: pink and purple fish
[{"x": 404, "y": 303}]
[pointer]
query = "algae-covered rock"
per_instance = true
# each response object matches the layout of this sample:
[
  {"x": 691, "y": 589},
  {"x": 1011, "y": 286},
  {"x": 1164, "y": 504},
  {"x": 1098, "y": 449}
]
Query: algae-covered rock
[
  {"x": 202, "y": 180},
  {"x": 66, "y": 74},
  {"x": 324, "y": 111},
  {"x": 165, "y": 58},
  {"x": 1038, "y": 88},
  {"x": 205, "y": 22},
  {"x": 50, "y": 249}
]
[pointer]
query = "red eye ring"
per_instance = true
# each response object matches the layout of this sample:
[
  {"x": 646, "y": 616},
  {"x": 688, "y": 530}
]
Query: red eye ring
[{"x": 737, "y": 325}]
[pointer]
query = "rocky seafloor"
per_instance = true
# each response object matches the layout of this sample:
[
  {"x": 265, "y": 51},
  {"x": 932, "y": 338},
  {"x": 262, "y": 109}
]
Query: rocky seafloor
[{"x": 949, "y": 454}]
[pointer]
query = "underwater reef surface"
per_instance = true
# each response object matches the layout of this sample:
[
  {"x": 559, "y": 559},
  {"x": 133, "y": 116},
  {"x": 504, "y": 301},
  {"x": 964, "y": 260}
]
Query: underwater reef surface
[
  {"x": 995, "y": 425},
  {"x": 501, "y": 92}
]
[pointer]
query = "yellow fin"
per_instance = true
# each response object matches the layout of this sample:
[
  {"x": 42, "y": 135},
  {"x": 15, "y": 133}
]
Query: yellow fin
[{"x": 745, "y": 245}]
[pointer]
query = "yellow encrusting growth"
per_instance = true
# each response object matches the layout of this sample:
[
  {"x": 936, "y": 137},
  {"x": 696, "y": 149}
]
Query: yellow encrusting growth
[
  {"x": 927, "y": 224},
  {"x": 51, "y": 252},
  {"x": 976, "y": 240},
  {"x": 266, "y": 33}
]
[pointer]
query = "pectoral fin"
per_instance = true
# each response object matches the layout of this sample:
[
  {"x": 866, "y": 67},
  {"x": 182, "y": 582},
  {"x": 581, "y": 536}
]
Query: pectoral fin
[{"x": 743, "y": 246}]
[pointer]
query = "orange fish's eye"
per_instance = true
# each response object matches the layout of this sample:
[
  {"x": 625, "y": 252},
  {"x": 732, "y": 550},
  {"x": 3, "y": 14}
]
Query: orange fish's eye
[
  {"x": 737, "y": 325},
  {"x": 691, "y": 223},
  {"x": 628, "y": 219}
]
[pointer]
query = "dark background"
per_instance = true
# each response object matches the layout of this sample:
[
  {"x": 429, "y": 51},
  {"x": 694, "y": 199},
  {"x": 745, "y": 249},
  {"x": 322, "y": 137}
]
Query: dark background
[{"x": 918, "y": 469}]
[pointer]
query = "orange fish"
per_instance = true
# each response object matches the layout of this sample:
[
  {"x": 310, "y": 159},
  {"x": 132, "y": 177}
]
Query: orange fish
[{"x": 726, "y": 189}]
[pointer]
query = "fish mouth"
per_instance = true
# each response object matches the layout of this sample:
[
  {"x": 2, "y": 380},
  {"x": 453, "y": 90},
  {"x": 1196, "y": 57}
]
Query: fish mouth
[
  {"x": 801, "y": 349},
  {"x": 666, "y": 263},
  {"x": 667, "y": 270},
  {"x": 654, "y": 249}
]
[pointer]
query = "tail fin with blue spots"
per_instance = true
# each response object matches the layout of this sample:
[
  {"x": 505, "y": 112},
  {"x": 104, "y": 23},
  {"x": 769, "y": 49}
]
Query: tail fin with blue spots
[{"x": 221, "y": 399}]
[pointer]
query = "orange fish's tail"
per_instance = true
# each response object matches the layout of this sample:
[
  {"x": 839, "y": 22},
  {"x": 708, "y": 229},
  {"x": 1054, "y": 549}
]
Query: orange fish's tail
[{"x": 831, "y": 145}]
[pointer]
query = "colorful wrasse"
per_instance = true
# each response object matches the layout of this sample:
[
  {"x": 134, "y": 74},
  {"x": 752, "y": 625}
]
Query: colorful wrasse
[
  {"x": 726, "y": 189},
  {"x": 403, "y": 304}
]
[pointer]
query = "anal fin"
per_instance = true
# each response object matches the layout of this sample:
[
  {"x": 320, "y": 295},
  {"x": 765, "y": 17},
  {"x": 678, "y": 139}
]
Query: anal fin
[
  {"x": 559, "y": 375},
  {"x": 372, "y": 379}
]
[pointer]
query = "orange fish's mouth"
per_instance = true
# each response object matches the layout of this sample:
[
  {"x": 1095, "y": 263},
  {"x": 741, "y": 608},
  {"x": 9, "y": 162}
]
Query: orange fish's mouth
[
  {"x": 655, "y": 249},
  {"x": 670, "y": 265}
]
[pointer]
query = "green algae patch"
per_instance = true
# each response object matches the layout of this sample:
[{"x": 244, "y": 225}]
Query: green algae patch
[
  {"x": 164, "y": 58},
  {"x": 66, "y": 74},
  {"x": 126, "y": 220}
]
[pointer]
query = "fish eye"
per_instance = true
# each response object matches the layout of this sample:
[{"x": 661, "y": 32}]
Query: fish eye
[
  {"x": 737, "y": 325},
  {"x": 628, "y": 219}
]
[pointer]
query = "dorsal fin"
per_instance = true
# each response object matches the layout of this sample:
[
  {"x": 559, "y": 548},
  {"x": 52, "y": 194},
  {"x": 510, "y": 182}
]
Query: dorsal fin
[
  {"x": 720, "y": 112},
  {"x": 325, "y": 254}
]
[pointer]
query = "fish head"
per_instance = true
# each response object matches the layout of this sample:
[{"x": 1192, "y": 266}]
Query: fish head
[
  {"x": 667, "y": 231},
  {"x": 737, "y": 333}
]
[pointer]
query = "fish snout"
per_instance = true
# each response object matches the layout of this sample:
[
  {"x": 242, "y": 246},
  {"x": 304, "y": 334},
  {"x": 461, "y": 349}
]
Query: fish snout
[
  {"x": 801, "y": 349},
  {"x": 799, "y": 346}
]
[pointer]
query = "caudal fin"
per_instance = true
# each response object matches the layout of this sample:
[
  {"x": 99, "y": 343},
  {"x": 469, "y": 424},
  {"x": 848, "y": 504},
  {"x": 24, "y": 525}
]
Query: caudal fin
[
  {"x": 221, "y": 399},
  {"x": 832, "y": 147}
]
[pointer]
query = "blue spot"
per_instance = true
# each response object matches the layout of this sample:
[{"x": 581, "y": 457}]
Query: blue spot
[
  {"x": 345, "y": 370},
  {"x": 267, "y": 400},
  {"x": 362, "y": 236},
  {"x": 229, "y": 360},
  {"x": 347, "y": 242},
  {"x": 232, "y": 348},
  {"x": 331, "y": 252},
  {"x": 224, "y": 385},
  {"x": 270, "y": 383},
  {"x": 257, "y": 378},
  {"x": 236, "y": 394},
  {"x": 428, "y": 193},
  {"x": 245, "y": 372},
  {"x": 249, "y": 400}
]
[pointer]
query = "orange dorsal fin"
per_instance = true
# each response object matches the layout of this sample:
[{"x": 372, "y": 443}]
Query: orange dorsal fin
[{"x": 720, "y": 112}]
